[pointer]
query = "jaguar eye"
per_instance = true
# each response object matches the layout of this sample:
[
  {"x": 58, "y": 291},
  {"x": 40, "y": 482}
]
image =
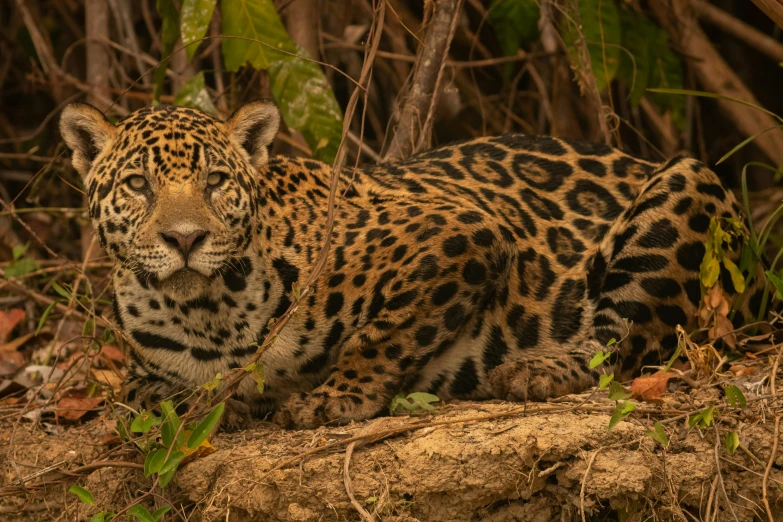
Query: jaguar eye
[
  {"x": 137, "y": 183},
  {"x": 215, "y": 179}
]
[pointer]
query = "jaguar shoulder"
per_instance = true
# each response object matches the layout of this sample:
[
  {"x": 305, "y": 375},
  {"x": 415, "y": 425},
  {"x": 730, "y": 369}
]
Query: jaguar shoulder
[{"x": 494, "y": 267}]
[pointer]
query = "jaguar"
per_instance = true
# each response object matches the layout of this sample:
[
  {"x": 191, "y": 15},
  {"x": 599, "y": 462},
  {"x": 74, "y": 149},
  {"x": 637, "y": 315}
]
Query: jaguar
[{"x": 491, "y": 268}]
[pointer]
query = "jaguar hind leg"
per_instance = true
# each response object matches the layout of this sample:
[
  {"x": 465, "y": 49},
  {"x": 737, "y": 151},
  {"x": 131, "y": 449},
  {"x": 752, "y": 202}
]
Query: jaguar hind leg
[{"x": 640, "y": 284}]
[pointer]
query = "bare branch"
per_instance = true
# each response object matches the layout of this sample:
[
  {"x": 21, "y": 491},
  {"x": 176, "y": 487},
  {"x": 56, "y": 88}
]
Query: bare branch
[
  {"x": 739, "y": 29},
  {"x": 716, "y": 76},
  {"x": 415, "y": 117},
  {"x": 773, "y": 9}
]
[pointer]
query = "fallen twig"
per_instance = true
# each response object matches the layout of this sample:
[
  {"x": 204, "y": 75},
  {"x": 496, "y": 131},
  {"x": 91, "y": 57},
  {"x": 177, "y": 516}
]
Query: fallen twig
[{"x": 765, "y": 479}]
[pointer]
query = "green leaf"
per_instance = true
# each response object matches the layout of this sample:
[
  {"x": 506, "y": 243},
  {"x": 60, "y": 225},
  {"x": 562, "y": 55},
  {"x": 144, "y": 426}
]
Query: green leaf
[
  {"x": 737, "y": 279},
  {"x": 21, "y": 267},
  {"x": 84, "y": 495},
  {"x": 308, "y": 105},
  {"x": 45, "y": 316},
  {"x": 617, "y": 392},
  {"x": 140, "y": 513},
  {"x": 299, "y": 87},
  {"x": 60, "y": 290},
  {"x": 515, "y": 23},
  {"x": 89, "y": 328},
  {"x": 605, "y": 380},
  {"x": 169, "y": 33},
  {"x": 735, "y": 397},
  {"x": 611, "y": 341},
  {"x": 776, "y": 282},
  {"x": 213, "y": 384},
  {"x": 703, "y": 419},
  {"x": 259, "y": 375},
  {"x": 747, "y": 257},
  {"x": 732, "y": 442},
  {"x": 160, "y": 512},
  {"x": 99, "y": 517},
  {"x": 658, "y": 435},
  {"x": 634, "y": 67},
  {"x": 666, "y": 72},
  {"x": 144, "y": 422},
  {"x": 253, "y": 20},
  {"x": 709, "y": 270},
  {"x": 172, "y": 462},
  {"x": 165, "y": 478},
  {"x": 205, "y": 427},
  {"x": 171, "y": 424},
  {"x": 194, "y": 94},
  {"x": 154, "y": 461},
  {"x": 598, "y": 22},
  {"x": 621, "y": 411},
  {"x": 414, "y": 401},
  {"x": 194, "y": 21},
  {"x": 646, "y": 60},
  {"x": 397, "y": 401},
  {"x": 423, "y": 400},
  {"x": 599, "y": 358},
  {"x": 18, "y": 251}
]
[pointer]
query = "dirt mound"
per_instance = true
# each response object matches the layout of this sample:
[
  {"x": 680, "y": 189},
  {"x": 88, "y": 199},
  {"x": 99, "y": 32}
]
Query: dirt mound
[{"x": 468, "y": 462}]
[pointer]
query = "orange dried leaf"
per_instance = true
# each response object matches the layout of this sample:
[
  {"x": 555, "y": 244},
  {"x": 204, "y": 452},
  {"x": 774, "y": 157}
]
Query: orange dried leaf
[
  {"x": 741, "y": 370},
  {"x": 8, "y": 320},
  {"x": 17, "y": 343},
  {"x": 110, "y": 439},
  {"x": 204, "y": 449},
  {"x": 112, "y": 353},
  {"x": 651, "y": 387},
  {"x": 74, "y": 408},
  {"x": 107, "y": 377}
]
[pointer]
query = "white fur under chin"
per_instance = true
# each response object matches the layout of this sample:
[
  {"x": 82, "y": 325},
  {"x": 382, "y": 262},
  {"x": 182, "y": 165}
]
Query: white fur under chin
[{"x": 184, "y": 284}]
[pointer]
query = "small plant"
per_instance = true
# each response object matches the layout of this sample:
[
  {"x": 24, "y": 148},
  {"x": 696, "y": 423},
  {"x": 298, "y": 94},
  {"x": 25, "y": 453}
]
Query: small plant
[
  {"x": 21, "y": 265},
  {"x": 703, "y": 419},
  {"x": 735, "y": 397},
  {"x": 617, "y": 392},
  {"x": 166, "y": 442},
  {"x": 412, "y": 402},
  {"x": 658, "y": 434}
]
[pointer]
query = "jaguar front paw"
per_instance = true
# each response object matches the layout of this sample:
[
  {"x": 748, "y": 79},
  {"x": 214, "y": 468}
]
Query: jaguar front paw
[
  {"x": 311, "y": 410},
  {"x": 520, "y": 381}
]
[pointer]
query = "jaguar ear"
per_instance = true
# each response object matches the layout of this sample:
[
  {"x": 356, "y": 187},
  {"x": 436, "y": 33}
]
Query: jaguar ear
[
  {"x": 86, "y": 131},
  {"x": 254, "y": 127}
]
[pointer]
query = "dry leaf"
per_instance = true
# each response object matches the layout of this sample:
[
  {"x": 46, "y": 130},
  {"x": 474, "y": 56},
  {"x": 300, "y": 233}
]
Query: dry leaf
[
  {"x": 110, "y": 439},
  {"x": 14, "y": 345},
  {"x": 650, "y": 388},
  {"x": 202, "y": 451},
  {"x": 10, "y": 363},
  {"x": 714, "y": 314},
  {"x": 74, "y": 408},
  {"x": 112, "y": 353},
  {"x": 108, "y": 377},
  {"x": 12, "y": 401},
  {"x": 8, "y": 320},
  {"x": 741, "y": 370}
]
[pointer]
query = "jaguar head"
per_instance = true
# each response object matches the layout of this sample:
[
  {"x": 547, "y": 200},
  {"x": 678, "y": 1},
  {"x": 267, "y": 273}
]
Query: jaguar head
[{"x": 172, "y": 191}]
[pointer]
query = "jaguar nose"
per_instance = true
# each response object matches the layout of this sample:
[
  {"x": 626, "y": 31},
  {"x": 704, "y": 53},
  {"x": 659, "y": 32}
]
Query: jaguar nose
[{"x": 184, "y": 243}]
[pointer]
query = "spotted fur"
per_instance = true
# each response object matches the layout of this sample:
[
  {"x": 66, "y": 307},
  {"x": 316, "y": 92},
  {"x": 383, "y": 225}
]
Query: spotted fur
[{"x": 494, "y": 267}]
